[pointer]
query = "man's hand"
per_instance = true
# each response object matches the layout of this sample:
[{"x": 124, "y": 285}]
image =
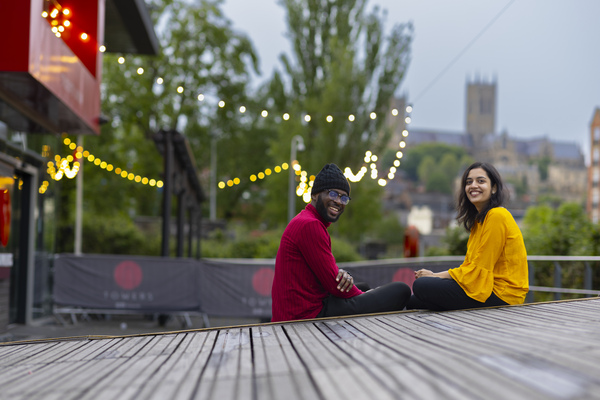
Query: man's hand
[{"x": 346, "y": 281}]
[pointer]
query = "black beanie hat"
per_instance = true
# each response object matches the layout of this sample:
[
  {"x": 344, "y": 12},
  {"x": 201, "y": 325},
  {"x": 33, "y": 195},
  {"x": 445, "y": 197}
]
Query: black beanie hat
[{"x": 330, "y": 177}]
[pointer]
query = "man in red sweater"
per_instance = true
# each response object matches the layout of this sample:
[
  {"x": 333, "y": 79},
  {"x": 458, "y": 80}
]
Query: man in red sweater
[{"x": 308, "y": 282}]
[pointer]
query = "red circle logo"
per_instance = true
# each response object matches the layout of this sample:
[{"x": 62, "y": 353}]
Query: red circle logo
[
  {"x": 262, "y": 281},
  {"x": 405, "y": 275},
  {"x": 128, "y": 275}
]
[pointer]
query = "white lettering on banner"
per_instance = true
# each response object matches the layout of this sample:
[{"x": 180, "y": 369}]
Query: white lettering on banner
[
  {"x": 257, "y": 301},
  {"x": 128, "y": 296},
  {"x": 258, "y": 305}
]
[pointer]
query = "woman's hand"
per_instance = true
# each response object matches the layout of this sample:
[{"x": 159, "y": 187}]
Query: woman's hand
[
  {"x": 423, "y": 272},
  {"x": 346, "y": 281}
]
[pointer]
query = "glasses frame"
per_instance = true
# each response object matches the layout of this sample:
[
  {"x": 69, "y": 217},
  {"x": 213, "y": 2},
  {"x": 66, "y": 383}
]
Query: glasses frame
[{"x": 333, "y": 195}]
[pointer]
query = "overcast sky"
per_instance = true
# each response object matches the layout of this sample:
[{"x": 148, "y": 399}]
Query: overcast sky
[{"x": 543, "y": 54}]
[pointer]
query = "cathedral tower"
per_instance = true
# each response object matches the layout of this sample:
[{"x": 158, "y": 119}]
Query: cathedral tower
[{"x": 481, "y": 112}]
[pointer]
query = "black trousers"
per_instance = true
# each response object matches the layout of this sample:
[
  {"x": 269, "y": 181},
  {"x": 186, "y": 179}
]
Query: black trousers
[
  {"x": 390, "y": 297},
  {"x": 439, "y": 294}
]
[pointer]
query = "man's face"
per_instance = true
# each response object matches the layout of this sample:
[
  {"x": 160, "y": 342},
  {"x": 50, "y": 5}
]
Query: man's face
[{"x": 328, "y": 207}]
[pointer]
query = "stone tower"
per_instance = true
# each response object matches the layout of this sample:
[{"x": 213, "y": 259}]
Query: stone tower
[
  {"x": 481, "y": 112},
  {"x": 593, "y": 189}
]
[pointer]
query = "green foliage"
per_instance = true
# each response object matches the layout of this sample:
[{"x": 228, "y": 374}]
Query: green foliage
[
  {"x": 344, "y": 251},
  {"x": 389, "y": 230},
  {"x": 562, "y": 231},
  {"x": 454, "y": 243},
  {"x": 456, "y": 240},
  {"x": 362, "y": 215},
  {"x": 342, "y": 64},
  {"x": 202, "y": 54},
  {"x": 520, "y": 185},
  {"x": 117, "y": 235},
  {"x": 436, "y": 165},
  {"x": 426, "y": 168},
  {"x": 255, "y": 244},
  {"x": 543, "y": 164}
]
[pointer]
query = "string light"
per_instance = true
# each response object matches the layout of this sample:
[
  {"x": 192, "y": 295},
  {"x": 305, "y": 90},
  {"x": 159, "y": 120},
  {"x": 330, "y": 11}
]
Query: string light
[
  {"x": 61, "y": 167},
  {"x": 57, "y": 16},
  {"x": 303, "y": 189}
]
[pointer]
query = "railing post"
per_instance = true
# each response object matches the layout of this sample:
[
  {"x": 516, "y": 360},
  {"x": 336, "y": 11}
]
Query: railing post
[
  {"x": 587, "y": 278},
  {"x": 529, "y": 296},
  {"x": 557, "y": 279}
]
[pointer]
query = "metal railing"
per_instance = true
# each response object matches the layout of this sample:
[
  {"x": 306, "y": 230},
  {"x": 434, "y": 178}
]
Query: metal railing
[{"x": 559, "y": 265}]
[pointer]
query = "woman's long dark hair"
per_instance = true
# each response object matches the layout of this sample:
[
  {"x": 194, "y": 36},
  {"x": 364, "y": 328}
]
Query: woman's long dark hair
[{"x": 467, "y": 212}]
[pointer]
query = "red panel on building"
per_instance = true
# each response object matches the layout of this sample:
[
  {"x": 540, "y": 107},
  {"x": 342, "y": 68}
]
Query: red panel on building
[{"x": 51, "y": 78}]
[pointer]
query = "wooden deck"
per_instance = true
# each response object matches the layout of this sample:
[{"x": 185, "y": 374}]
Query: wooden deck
[{"x": 536, "y": 351}]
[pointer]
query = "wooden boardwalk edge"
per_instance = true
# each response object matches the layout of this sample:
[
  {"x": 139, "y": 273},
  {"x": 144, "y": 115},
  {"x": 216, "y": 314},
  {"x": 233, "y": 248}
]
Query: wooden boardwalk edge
[{"x": 345, "y": 317}]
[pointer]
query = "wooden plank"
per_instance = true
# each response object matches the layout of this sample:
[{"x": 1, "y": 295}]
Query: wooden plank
[
  {"x": 80, "y": 374},
  {"x": 279, "y": 372},
  {"x": 136, "y": 369},
  {"x": 40, "y": 363},
  {"x": 392, "y": 365},
  {"x": 533, "y": 357},
  {"x": 536, "y": 341},
  {"x": 229, "y": 372},
  {"x": 327, "y": 364},
  {"x": 442, "y": 356},
  {"x": 169, "y": 381}
]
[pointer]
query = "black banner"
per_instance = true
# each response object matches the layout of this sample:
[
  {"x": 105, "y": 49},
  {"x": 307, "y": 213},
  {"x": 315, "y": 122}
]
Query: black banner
[
  {"x": 130, "y": 283},
  {"x": 219, "y": 287}
]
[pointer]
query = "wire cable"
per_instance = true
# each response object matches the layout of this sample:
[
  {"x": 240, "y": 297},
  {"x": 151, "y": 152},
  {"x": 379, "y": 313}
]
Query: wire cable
[{"x": 463, "y": 51}]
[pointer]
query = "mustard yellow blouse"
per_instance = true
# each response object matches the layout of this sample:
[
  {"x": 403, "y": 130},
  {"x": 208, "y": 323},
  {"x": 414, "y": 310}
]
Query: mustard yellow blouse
[{"x": 496, "y": 260}]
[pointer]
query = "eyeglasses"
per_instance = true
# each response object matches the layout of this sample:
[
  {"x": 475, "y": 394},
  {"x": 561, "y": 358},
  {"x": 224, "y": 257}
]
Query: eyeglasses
[{"x": 333, "y": 195}]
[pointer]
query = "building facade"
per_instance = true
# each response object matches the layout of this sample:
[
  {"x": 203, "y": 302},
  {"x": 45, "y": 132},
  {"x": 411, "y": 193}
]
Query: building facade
[
  {"x": 50, "y": 74},
  {"x": 593, "y": 183},
  {"x": 539, "y": 165}
]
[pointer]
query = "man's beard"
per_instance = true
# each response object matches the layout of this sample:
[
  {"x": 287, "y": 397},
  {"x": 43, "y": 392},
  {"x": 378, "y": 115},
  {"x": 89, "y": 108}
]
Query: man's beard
[{"x": 322, "y": 210}]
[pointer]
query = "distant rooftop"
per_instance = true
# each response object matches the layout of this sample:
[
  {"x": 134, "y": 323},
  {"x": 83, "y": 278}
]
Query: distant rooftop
[{"x": 562, "y": 150}]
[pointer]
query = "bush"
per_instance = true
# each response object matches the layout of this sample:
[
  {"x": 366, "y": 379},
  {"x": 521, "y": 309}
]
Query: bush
[
  {"x": 343, "y": 251},
  {"x": 117, "y": 235},
  {"x": 241, "y": 244},
  {"x": 259, "y": 244}
]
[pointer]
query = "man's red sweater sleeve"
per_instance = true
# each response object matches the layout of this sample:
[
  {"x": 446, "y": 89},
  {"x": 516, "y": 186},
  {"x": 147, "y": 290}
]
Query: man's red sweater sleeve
[{"x": 315, "y": 246}]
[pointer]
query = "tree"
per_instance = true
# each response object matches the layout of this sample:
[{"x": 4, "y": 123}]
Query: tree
[
  {"x": 452, "y": 160},
  {"x": 562, "y": 231},
  {"x": 202, "y": 60},
  {"x": 342, "y": 64},
  {"x": 200, "y": 53}
]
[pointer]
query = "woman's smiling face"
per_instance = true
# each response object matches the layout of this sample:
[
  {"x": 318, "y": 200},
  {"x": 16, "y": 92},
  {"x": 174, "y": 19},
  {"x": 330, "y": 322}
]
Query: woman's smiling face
[{"x": 478, "y": 188}]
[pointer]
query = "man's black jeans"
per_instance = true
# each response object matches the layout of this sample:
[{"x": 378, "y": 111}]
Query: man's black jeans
[{"x": 390, "y": 297}]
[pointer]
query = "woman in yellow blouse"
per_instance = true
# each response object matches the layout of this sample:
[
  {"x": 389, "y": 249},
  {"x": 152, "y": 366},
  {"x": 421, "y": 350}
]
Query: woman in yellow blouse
[{"x": 495, "y": 268}]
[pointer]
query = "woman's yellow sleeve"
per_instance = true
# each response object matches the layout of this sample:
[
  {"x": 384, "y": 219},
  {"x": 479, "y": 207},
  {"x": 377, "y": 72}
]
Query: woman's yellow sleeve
[{"x": 486, "y": 243}]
